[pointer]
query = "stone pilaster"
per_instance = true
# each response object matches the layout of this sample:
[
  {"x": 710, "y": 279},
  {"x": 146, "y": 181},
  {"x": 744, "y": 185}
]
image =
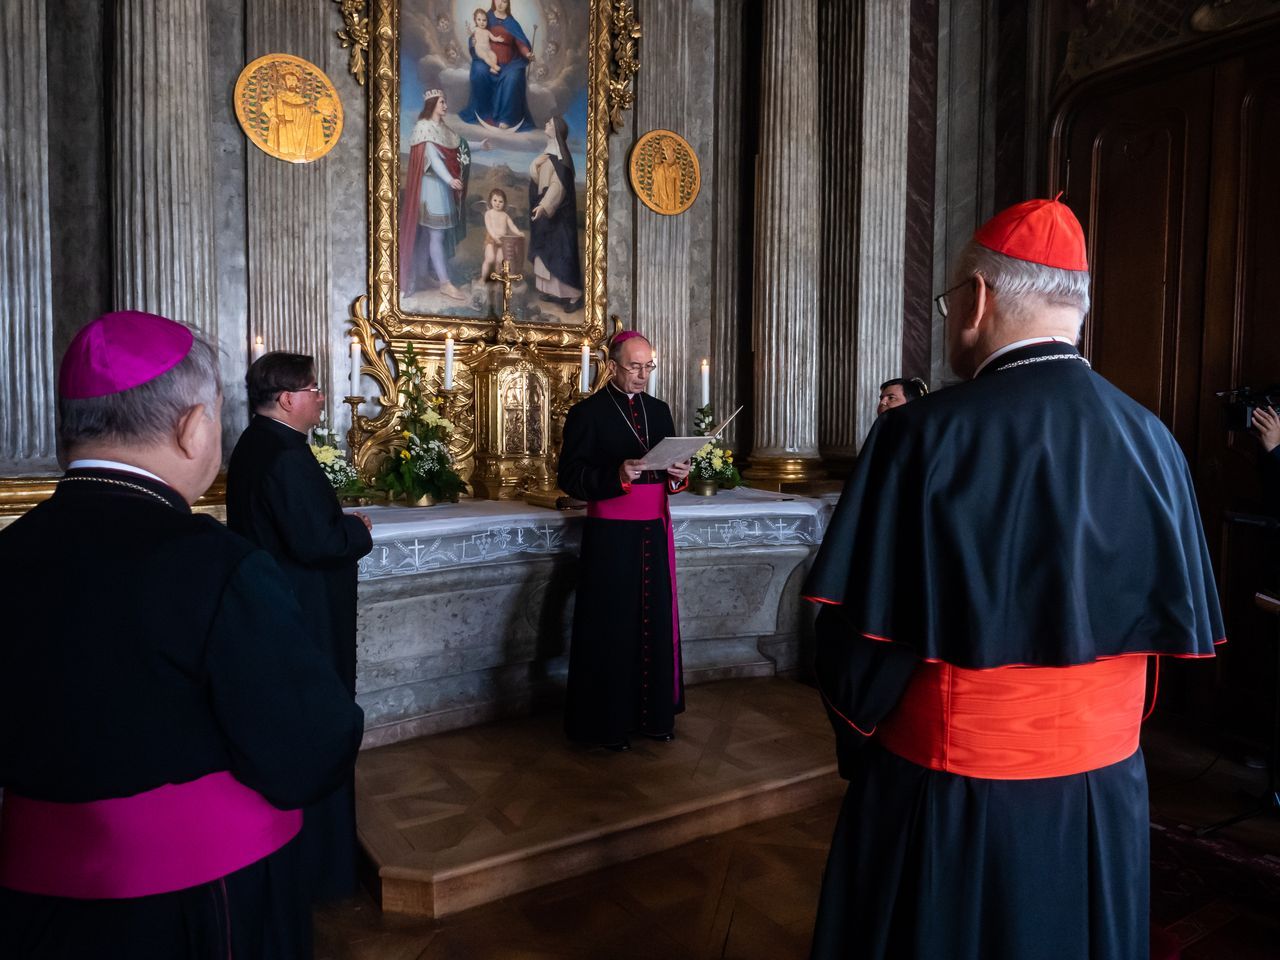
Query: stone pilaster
[
  {"x": 162, "y": 182},
  {"x": 671, "y": 300},
  {"x": 788, "y": 223},
  {"x": 727, "y": 223},
  {"x": 26, "y": 315},
  {"x": 288, "y": 225}
]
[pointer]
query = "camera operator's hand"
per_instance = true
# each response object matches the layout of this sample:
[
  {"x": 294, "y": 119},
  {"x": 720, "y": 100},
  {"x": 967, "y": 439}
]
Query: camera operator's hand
[{"x": 1266, "y": 427}]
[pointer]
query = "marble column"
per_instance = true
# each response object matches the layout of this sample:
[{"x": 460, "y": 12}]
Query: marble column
[
  {"x": 882, "y": 203},
  {"x": 839, "y": 96},
  {"x": 727, "y": 223},
  {"x": 288, "y": 225},
  {"x": 162, "y": 181},
  {"x": 671, "y": 300},
  {"x": 26, "y": 315},
  {"x": 784, "y": 323}
]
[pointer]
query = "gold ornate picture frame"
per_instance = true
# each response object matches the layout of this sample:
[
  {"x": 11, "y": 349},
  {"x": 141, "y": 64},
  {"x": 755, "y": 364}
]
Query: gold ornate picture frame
[
  {"x": 390, "y": 306},
  {"x": 503, "y": 290}
]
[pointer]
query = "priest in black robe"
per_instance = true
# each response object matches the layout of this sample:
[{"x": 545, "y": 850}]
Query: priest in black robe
[
  {"x": 279, "y": 499},
  {"x": 164, "y": 712},
  {"x": 624, "y": 661},
  {"x": 1007, "y": 556}
]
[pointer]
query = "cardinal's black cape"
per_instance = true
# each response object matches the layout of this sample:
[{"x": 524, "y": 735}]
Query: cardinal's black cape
[{"x": 1035, "y": 515}]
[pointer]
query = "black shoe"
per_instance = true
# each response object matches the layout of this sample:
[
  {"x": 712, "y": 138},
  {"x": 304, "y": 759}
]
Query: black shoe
[
  {"x": 572, "y": 306},
  {"x": 622, "y": 746},
  {"x": 662, "y": 737}
]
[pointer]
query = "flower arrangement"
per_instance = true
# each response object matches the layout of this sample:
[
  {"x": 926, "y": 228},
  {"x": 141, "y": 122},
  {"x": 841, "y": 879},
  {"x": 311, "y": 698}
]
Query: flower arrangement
[
  {"x": 713, "y": 463},
  {"x": 422, "y": 466},
  {"x": 338, "y": 470}
]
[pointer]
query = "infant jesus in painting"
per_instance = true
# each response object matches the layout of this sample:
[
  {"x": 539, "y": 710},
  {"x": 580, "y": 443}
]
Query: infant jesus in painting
[
  {"x": 482, "y": 38},
  {"x": 497, "y": 225}
]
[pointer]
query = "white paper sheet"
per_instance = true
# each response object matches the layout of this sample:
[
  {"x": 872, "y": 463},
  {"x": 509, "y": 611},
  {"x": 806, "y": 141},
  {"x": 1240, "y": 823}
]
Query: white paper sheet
[{"x": 672, "y": 450}]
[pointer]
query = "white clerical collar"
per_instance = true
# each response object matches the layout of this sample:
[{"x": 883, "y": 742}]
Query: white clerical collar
[
  {"x": 1017, "y": 344},
  {"x": 114, "y": 465}
]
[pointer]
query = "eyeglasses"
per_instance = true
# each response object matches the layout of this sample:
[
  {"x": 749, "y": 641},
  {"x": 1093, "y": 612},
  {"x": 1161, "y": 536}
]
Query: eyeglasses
[
  {"x": 636, "y": 369},
  {"x": 314, "y": 388},
  {"x": 940, "y": 301}
]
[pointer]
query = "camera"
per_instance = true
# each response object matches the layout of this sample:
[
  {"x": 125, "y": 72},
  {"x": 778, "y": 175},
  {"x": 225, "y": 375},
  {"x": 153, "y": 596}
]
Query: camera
[{"x": 1242, "y": 401}]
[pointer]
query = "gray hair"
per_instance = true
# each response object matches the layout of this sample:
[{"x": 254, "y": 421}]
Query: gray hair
[
  {"x": 1022, "y": 285},
  {"x": 146, "y": 413}
]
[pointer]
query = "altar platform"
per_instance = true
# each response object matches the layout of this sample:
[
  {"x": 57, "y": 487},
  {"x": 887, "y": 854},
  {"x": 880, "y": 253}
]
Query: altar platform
[
  {"x": 458, "y": 819},
  {"x": 466, "y": 609}
]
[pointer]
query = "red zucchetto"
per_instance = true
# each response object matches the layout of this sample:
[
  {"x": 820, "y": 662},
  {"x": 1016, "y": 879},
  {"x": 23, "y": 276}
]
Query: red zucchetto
[
  {"x": 120, "y": 351},
  {"x": 1039, "y": 231}
]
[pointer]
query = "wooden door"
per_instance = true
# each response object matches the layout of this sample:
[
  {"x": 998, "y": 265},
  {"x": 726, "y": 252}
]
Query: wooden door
[{"x": 1171, "y": 174}]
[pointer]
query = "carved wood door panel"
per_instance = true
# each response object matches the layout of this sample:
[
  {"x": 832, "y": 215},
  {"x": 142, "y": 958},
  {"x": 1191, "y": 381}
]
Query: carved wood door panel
[{"x": 1172, "y": 175}]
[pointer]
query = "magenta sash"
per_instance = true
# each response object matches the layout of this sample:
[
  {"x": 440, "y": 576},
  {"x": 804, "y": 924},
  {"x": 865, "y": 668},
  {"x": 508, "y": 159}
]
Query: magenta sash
[
  {"x": 648, "y": 501},
  {"x": 170, "y": 838}
]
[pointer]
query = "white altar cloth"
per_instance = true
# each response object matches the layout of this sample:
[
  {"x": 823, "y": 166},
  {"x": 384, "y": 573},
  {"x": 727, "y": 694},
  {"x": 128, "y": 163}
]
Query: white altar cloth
[{"x": 410, "y": 540}]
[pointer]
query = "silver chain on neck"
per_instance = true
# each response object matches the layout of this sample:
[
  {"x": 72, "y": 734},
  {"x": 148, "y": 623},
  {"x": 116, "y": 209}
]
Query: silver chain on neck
[
  {"x": 631, "y": 425},
  {"x": 1052, "y": 356},
  {"x": 117, "y": 483}
]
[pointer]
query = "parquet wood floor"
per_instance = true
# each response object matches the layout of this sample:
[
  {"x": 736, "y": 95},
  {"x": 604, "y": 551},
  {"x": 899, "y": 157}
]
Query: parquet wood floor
[
  {"x": 752, "y": 892},
  {"x": 463, "y": 818},
  {"x": 749, "y": 894}
]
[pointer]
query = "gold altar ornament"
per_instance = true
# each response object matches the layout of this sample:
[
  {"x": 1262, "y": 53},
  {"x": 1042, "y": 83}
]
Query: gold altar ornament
[
  {"x": 664, "y": 172},
  {"x": 288, "y": 107}
]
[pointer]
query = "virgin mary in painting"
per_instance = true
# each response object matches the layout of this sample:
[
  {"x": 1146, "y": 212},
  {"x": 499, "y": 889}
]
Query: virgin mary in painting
[{"x": 501, "y": 99}]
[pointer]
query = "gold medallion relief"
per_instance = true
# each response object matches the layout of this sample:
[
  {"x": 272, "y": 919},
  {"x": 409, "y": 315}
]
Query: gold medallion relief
[
  {"x": 664, "y": 172},
  {"x": 288, "y": 108}
]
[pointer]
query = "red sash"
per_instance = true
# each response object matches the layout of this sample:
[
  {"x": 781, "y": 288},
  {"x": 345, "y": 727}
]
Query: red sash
[
  {"x": 170, "y": 838},
  {"x": 648, "y": 501},
  {"x": 1019, "y": 723}
]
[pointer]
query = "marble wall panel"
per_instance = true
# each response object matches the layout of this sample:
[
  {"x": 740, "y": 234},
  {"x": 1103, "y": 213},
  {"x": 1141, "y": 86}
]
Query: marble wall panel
[{"x": 964, "y": 185}]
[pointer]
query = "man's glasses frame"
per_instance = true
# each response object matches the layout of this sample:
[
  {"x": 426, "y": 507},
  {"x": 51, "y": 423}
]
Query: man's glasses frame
[
  {"x": 636, "y": 369},
  {"x": 940, "y": 301}
]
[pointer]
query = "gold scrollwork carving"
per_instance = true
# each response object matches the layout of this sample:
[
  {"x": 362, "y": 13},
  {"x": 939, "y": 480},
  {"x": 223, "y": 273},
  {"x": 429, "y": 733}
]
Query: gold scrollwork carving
[
  {"x": 355, "y": 34},
  {"x": 626, "y": 31}
]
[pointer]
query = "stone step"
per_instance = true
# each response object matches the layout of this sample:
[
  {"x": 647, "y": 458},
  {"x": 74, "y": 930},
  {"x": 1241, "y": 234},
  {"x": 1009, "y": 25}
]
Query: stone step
[{"x": 458, "y": 819}]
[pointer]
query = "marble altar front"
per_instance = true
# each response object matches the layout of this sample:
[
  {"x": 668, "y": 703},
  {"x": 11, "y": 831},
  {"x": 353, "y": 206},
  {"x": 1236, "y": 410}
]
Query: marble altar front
[{"x": 466, "y": 609}]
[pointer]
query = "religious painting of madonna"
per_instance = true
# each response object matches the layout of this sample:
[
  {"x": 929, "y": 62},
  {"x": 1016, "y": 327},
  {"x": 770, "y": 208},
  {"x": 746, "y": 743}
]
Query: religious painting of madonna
[{"x": 492, "y": 112}]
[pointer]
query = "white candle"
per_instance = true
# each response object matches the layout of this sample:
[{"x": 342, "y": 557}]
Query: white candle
[
  {"x": 259, "y": 348},
  {"x": 706, "y": 382},
  {"x": 353, "y": 390},
  {"x": 653, "y": 378},
  {"x": 448, "y": 362},
  {"x": 584, "y": 375}
]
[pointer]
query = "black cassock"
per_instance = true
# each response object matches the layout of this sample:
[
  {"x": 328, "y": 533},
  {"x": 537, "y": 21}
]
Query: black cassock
[
  {"x": 279, "y": 499},
  {"x": 1035, "y": 516},
  {"x": 148, "y": 646},
  {"x": 624, "y": 660}
]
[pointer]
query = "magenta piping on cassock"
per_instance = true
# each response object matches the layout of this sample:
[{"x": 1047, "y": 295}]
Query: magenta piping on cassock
[
  {"x": 170, "y": 838},
  {"x": 648, "y": 501}
]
